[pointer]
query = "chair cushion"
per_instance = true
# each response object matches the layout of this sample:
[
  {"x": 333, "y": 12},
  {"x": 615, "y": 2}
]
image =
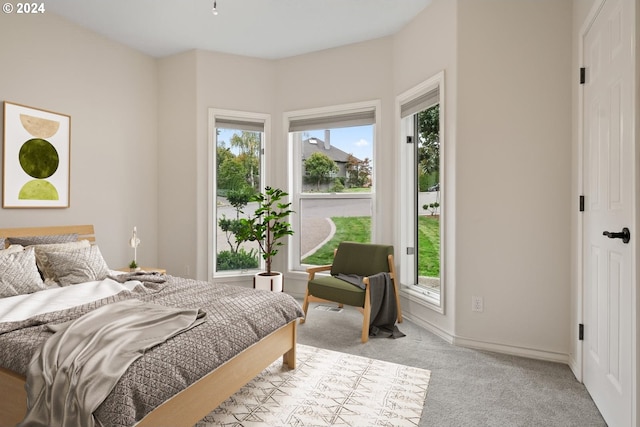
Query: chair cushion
[
  {"x": 336, "y": 290},
  {"x": 363, "y": 259}
]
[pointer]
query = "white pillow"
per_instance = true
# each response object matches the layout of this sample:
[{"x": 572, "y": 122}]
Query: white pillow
[
  {"x": 19, "y": 274},
  {"x": 43, "y": 252},
  {"x": 79, "y": 266},
  {"x": 11, "y": 250}
]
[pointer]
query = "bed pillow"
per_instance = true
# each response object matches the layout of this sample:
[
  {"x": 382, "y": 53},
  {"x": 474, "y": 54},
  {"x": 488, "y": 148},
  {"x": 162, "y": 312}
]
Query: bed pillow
[
  {"x": 2, "y": 243},
  {"x": 82, "y": 265},
  {"x": 43, "y": 251},
  {"x": 11, "y": 250},
  {"x": 43, "y": 240},
  {"x": 19, "y": 274}
]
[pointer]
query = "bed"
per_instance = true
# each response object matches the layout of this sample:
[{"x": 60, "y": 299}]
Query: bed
[{"x": 252, "y": 347}]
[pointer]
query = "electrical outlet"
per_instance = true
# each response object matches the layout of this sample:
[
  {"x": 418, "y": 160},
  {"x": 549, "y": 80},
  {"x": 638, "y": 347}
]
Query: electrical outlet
[{"x": 477, "y": 304}]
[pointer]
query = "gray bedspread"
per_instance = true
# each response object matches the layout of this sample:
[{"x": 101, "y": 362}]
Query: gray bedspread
[
  {"x": 236, "y": 319},
  {"x": 75, "y": 370}
]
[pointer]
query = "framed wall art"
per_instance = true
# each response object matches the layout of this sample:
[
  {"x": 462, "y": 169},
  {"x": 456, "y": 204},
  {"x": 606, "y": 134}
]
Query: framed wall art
[{"x": 36, "y": 158}]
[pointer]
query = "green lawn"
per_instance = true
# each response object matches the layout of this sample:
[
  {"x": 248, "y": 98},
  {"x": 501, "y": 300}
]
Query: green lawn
[
  {"x": 349, "y": 228},
  {"x": 428, "y": 246},
  {"x": 358, "y": 229}
]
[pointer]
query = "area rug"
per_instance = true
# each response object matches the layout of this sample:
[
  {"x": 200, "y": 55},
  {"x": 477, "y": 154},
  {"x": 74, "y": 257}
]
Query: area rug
[{"x": 327, "y": 388}]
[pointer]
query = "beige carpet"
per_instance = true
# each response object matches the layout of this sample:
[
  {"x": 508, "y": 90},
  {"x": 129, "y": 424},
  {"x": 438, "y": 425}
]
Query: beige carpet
[{"x": 327, "y": 388}]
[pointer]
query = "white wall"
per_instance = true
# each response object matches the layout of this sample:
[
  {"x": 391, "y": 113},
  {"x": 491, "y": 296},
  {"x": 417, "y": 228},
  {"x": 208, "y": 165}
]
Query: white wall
[
  {"x": 355, "y": 73},
  {"x": 110, "y": 92},
  {"x": 426, "y": 46},
  {"x": 177, "y": 155},
  {"x": 263, "y": 86},
  {"x": 508, "y": 159},
  {"x": 513, "y": 174},
  {"x": 228, "y": 82}
]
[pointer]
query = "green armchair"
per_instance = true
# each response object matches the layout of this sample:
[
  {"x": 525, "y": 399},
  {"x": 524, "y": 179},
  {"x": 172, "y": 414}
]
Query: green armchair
[{"x": 351, "y": 258}]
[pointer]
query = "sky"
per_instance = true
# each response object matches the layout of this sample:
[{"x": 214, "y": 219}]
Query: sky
[{"x": 356, "y": 140}]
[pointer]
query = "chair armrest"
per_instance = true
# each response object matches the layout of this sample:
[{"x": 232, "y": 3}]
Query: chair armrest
[
  {"x": 366, "y": 283},
  {"x": 313, "y": 270},
  {"x": 365, "y": 280}
]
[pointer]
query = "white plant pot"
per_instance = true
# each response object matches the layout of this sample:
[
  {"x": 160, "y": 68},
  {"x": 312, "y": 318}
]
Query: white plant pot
[{"x": 268, "y": 283}]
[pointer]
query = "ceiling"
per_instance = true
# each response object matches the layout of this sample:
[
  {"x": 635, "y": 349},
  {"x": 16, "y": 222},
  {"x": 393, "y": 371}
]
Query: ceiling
[{"x": 269, "y": 29}]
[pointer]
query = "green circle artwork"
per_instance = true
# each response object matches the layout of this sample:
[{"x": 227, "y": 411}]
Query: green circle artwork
[
  {"x": 39, "y": 159},
  {"x": 38, "y": 189}
]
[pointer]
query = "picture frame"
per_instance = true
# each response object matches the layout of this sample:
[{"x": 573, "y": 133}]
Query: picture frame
[{"x": 36, "y": 158}]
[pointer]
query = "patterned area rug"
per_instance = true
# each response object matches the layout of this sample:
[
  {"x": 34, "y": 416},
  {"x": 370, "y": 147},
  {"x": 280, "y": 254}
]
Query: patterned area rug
[{"x": 327, "y": 388}]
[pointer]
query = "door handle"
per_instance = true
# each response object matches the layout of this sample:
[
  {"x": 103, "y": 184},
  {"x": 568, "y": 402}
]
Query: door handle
[{"x": 625, "y": 235}]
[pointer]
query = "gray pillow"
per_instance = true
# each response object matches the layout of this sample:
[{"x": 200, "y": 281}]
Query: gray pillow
[
  {"x": 2, "y": 244},
  {"x": 43, "y": 251},
  {"x": 83, "y": 265},
  {"x": 42, "y": 240},
  {"x": 19, "y": 274}
]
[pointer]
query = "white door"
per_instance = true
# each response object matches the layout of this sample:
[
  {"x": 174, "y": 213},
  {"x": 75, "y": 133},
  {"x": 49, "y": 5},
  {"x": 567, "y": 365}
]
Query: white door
[{"x": 608, "y": 180}]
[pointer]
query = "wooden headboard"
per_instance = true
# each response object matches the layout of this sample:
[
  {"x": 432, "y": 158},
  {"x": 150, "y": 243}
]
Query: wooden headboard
[{"x": 84, "y": 231}]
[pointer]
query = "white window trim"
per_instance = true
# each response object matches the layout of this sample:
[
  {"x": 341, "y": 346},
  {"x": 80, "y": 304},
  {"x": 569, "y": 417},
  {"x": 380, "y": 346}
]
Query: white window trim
[
  {"x": 406, "y": 206},
  {"x": 212, "y": 208},
  {"x": 294, "y": 183}
]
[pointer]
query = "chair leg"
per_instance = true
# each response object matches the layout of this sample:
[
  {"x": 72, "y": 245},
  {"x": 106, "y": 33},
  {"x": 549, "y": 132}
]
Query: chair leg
[
  {"x": 305, "y": 306},
  {"x": 392, "y": 270},
  {"x": 398, "y": 302},
  {"x": 365, "y": 326},
  {"x": 366, "y": 315}
]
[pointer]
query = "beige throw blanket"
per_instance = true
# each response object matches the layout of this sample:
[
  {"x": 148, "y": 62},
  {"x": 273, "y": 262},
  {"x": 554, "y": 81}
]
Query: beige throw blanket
[{"x": 78, "y": 366}]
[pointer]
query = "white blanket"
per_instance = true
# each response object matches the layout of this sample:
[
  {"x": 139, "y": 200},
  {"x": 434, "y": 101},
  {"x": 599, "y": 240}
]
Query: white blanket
[{"x": 21, "y": 307}]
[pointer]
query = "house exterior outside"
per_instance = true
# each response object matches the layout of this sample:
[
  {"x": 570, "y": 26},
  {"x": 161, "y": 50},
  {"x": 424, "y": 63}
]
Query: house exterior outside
[{"x": 341, "y": 158}]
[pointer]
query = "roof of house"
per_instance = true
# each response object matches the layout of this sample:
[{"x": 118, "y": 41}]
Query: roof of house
[{"x": 316, "y": 145}]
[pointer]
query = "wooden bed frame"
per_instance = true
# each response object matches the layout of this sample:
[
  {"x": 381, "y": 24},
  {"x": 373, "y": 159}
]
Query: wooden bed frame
[{"x": 191, "y": 404}]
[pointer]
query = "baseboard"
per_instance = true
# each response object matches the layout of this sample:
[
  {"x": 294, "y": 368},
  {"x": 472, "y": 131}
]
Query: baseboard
[
  {"x": 512, "y": 350},
  {"x": 487, "y": 346},
  {"x": 576, "y": 368},
  {"x": 429, "y": 327}
]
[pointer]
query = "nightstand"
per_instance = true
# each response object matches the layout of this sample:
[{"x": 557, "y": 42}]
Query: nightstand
[{"x": 145, "y": 269}]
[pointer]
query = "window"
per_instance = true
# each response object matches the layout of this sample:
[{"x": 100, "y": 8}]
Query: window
[
  {"x": 422, "y": 204},
  {"x": 332, "y": 179},
  {"x": 236, "y": 172}
]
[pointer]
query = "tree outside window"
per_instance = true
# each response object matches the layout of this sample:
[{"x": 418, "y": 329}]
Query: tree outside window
[{"x": 237, "y": 179}]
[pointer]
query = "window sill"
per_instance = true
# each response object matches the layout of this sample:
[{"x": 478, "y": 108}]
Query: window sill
[
  {"x": 233, "y": 277},
  {"x": 423, "y": 297}
]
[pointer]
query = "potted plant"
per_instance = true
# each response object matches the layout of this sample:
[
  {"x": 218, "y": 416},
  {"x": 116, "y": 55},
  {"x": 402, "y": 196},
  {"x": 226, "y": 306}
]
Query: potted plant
[{"x": 267, "y": 226}]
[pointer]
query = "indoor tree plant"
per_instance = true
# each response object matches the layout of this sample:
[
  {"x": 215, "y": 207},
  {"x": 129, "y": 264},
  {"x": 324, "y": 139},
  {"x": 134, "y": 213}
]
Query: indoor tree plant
[{"x": 267, "y": 226}]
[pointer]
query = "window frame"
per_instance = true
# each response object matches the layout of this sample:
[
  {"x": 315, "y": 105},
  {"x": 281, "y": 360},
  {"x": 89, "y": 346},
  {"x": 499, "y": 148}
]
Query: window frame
[
  {"x": 407, "y": 207},
  {"x": 239, "y": 116},
  {"x": 295, "y": 165}
]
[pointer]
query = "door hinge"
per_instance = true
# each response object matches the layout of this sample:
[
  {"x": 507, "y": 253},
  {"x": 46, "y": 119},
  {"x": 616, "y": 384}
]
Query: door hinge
[
  {"x": 583, "y": 75},
  {"x": 580, "y": 332},
  {"x": 581, "y": 203},
  {"x": 409, "y": 139},
  {"x": 410, "y": 251}
]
